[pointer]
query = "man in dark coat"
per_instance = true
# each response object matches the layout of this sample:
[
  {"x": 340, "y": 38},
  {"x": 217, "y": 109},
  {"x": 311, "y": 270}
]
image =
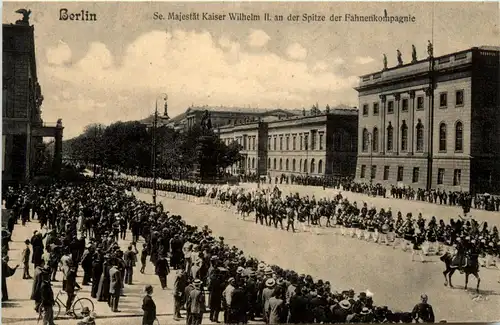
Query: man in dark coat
[
  {"x": 71, "y": 285},
  {"x": 42, "y": 272},
  {"x": 7, "y": 271},
  {"x": 37, "y": 243},
  {"x": 179, "y": 291},
  {"x": 239, "y": 305},
  {"x": 47, "y": 301},
  {"x": 115, "y": 287},
  {"x": 215, "y": 288},
  {"x": 149, "y": 307},
  {"x": 162, "y": 271},
  {"x": 299, "y": 312}
]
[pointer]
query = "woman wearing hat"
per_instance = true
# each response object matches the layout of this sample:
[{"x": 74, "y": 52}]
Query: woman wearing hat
[{"x": 148, "y": 306}]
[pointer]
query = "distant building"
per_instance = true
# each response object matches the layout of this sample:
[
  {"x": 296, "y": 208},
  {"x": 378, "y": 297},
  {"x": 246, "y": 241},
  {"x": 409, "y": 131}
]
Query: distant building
[
  {"x": 311, "y": 145},
  {"x": 221, "y": 116},
  {"x": 445, "y": 136},
  {"x": 22, "y": 126}
]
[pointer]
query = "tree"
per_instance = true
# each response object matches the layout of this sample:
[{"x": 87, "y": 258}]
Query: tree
[{"x": 128, "y": 147}]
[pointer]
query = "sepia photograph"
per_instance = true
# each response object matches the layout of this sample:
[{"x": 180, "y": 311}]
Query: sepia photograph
[{"x": 250, "y": 162}]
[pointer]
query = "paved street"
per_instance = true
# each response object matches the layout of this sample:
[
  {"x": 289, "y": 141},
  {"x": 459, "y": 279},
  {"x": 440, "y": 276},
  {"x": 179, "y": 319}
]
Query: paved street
[
  {"x": 21, "y": 307},
  {"x": 351, "y": 263}
]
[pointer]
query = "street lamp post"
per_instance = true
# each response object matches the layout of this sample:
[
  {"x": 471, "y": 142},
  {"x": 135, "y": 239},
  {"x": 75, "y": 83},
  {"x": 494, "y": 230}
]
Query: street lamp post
[{"x": 155, "y": 125}]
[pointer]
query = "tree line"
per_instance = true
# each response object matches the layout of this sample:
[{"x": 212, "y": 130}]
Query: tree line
[{"x": 128, "y": 147}]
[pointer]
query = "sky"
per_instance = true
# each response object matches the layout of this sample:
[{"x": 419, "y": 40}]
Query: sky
[{"x": 114, "y": 69}]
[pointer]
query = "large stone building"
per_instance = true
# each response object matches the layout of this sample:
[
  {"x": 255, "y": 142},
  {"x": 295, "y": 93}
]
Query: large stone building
[
  {"x": 22, "y": 126},
  {"x": 311, "y": 145},
  {"x": 433, "y": 123},
  {"x": 220, "y": 116}
]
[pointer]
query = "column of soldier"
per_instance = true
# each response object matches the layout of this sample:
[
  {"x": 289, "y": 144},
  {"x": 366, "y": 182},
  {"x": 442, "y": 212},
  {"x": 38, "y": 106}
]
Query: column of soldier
[
  {"x": 418, "y": 235},
  {"x": 241, "y": 288}
]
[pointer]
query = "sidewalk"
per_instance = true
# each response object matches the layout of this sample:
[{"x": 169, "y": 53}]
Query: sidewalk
[{"x": 20, "y": 307}]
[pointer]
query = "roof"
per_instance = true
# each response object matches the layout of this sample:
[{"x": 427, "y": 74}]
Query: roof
[
  {"x": 240, "y": 110},
  {"x": 489, "y": 48}
]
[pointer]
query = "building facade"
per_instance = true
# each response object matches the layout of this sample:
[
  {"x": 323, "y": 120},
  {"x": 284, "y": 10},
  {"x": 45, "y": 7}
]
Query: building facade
[
  {"x": 22, "y": 126},
  {"x": 222, "y": 116},
  {"x": 433, "y": 123},
  {"x": 312, "y": 145}
]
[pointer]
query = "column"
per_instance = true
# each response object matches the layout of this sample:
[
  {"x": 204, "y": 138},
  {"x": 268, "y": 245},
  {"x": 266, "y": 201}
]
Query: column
[
  {"x": 397, "y": 98},
  {"x": 411, "y": 141},
  {"x": 383, "y": 128}
]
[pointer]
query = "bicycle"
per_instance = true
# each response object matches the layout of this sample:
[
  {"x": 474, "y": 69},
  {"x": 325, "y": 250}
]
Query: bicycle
[{"x": 75, "y": 310}]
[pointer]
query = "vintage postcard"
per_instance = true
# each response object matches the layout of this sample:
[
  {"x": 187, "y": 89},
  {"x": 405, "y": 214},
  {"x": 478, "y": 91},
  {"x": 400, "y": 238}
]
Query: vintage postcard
[{"x": 262, "y": 163}]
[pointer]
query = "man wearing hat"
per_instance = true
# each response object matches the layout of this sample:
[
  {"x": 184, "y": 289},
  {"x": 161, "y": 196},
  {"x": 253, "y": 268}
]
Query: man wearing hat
[
  {"x": 227, "y": 296},
  {"x": 47, "y": 302},
  {"x": 26, "y": 260},
  {"x": 267, "y": 293},
  {"x": 215, "y": 288},
  {"x": 7, "y": 271},
  {"x": 196, "y": 304},
  {"x": 423, "y": 312},
  {"x": 149, "y": 307}
]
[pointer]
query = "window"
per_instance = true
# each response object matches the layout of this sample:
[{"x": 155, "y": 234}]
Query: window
[
  {"x": 400, "y": 173},
  {"x": 313, "y": 140},
  {"x": 269, "y": 143},
  {"x": 373, "y": 172},
  {"x": 457, "y": 177},
  {"x": 390, "y": 107},
  {"x": 420, "y": 137},
  {"x": 365, "y": 110},
  {"x": 375, "y": 109},
  {"x": 300, "y": 165},
  {"x": 313, "y": 166},
  {"x": 459, "y": 137},
  {"x": 365, "y": 140},
  {"x": 293, "y": 165},
  {"x": 386, "y": 172},
  {"x": 375, "y": 140},
  {"x": 269, "y": 163},
  {"x": 320, "y": 166},
  {"x": 443, "y": 100},
  {"x": 281, "y": 142},
  {"x": 287, "y": 141},
  {"x": 405, "y": 105},
  {"x": 281, "y": 164},
  {"x": 440, "y": 176},
  {"x": 294, "y": 143},
  {"x": 459, "y": 98},
  {"x": 321, "y": 141},
  {"x": 404, "y": 137},
  {"x": 390, "y": 133},
  {"x": 306, "y": 141},
  {"x": 305, "y": 166},
  {"x": 363, "y": 171},
  {"x": 420, "y": 103},
  {"x": 442, "y": 137},
  {"x": 274, "y": 143},
  {"x": 300, "y": 142},
  {"x": 274, "y": 164},
  {"x": 415, "y": 174},
  {"x": 253, "y": 163},
  {"x": 253, "y": 143}
]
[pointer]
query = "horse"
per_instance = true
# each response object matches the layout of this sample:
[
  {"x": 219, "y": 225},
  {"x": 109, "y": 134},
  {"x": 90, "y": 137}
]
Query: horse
[{"x": 471, "y": 267}]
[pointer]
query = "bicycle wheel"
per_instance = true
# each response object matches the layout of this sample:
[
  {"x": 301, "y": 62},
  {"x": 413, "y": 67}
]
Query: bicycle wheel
[
  {"x": 80, "y": 303},
  {"x": 57, "y": 309}
]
